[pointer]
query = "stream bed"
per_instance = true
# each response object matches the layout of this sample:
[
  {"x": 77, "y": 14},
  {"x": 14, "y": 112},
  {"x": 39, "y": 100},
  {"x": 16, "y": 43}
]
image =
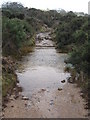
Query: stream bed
[
  {"x": 45, "y": 90},
  {"x": 43, "y": 68}
]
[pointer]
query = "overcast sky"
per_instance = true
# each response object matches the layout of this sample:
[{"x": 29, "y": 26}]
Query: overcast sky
[{"x": 68, "y": 5}]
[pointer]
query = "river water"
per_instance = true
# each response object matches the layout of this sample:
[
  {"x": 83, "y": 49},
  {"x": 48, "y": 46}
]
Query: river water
[{"x": 43, "y": 68}]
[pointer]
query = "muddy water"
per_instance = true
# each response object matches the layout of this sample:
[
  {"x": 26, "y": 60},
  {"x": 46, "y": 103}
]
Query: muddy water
[{"x": 43, "y": 68}]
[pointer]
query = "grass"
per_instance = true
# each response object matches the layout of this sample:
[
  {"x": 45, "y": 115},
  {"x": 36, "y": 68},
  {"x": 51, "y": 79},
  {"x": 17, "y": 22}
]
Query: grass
[{"x": 8, "y": 82}]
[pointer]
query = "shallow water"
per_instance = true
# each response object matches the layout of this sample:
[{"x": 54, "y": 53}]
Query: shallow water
[{"x": 43, "y": 68}]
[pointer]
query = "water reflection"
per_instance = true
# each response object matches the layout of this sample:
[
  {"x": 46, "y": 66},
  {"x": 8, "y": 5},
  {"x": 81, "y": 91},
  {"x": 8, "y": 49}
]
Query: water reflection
[
  {"x": 43, "y": 68},
  {"x": 36, "y": 78}
]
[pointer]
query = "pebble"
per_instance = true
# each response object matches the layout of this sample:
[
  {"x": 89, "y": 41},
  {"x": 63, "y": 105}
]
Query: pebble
[
  {"x": 59, "y": 89},
  {"x": 43, "y": 89},
  {"x": 51, "y": 102},
  {"x": 14, "y": 89},
  {"x": 25, "y": 105},
  {"x": 38, "y": 100},
  {"x": 63, "y": 81},
  {"x": 12, "y": 106},
  {"x": 4, "y": 105},
  {"x": 16, "y": 96},
  {"x": 2, "y": 115},
  {"x": 47, "y": 90},
  {"x": 25, "y": 98},
  {"x": 49, "y": 110},
  {"x": 12, "y": 97}
]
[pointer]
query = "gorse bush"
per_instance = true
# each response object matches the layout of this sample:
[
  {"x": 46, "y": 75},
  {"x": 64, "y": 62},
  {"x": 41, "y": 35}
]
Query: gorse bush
[
  {"x": 80, "y": 58},
  {"x": 13, "y": 34},
  {"x": 71, "y": 31}
]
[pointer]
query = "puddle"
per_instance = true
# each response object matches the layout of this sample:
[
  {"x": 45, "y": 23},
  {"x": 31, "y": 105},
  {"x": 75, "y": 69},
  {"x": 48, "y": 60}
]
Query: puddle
[
  {"x": 41, "y": 77},
  {"x": 43, "y": 68}
]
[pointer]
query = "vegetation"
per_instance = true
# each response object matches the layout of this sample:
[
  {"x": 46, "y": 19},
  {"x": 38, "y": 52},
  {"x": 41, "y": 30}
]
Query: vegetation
[{"x": 72, "y": 37}]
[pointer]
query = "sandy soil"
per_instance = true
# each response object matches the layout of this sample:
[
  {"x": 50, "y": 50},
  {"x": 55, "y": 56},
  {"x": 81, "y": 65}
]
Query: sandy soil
[{"x": 53, "y": 103}]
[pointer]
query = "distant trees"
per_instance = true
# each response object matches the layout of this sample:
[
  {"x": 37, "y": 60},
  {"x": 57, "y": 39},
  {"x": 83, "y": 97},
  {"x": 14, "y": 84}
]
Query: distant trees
[
  {"x": 47, "y": 17},
  {"x": 13, "y": 10},
  {"x": 71, "y": 30},
  {"x": 13, "y": 6}
]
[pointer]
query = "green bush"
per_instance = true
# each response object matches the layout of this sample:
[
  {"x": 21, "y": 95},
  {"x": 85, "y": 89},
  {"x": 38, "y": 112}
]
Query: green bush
[{"x": 15, "y": 33}]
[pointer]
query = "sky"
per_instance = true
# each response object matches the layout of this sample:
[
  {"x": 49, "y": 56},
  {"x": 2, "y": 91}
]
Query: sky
[{"x": 68, "y": 5}]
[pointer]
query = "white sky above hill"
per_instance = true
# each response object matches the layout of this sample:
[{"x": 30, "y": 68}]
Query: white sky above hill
[{"x": 68, "y": 5}]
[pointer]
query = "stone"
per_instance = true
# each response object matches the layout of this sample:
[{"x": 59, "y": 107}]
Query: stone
[
  {"x": 25, "y": 105},
  {"x": 49, "y": 110},
  {"x": 16, "y": 96},
  {"x": 4, "y": 105},
  {"x": 59, "y": 89},
  {"x": 51, "y": 102},
  {"x": 43, "y": 89},
  {"x": 12, "y": 106},
  {"x": 25, "y": 98},
  {"x": 38, "y": 100},
  {"x": 19, "y": 89},
  {"x": 12, "y": 97},
  {"x": 63, "y": 81},
  {"x": 14, "y": 89}
]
